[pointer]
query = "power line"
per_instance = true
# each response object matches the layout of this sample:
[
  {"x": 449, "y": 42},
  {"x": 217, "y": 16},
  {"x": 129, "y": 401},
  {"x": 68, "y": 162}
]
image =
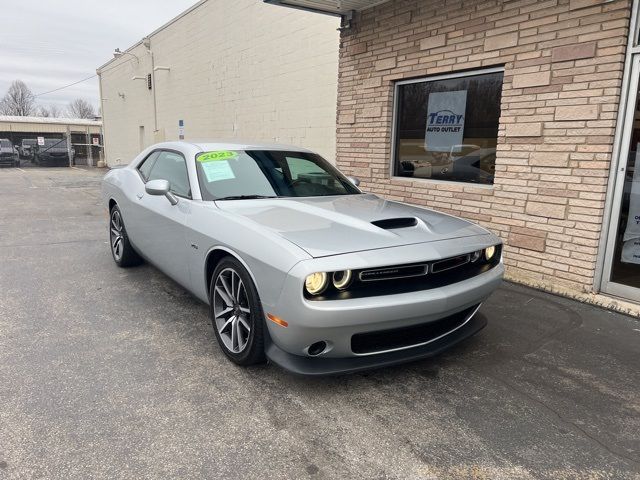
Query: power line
[
  {"x": 66, "y": 86},
  {"x": 83, "y": 80}
]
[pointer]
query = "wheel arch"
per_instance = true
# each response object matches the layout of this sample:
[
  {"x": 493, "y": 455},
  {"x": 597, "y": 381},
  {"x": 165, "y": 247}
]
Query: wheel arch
[
  {"x": 214, "y": 256},
  {"x": 112, "y": 203}
]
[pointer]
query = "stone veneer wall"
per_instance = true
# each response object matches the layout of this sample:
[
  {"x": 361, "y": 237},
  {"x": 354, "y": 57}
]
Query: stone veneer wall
[{"x": 563, "y": 62}]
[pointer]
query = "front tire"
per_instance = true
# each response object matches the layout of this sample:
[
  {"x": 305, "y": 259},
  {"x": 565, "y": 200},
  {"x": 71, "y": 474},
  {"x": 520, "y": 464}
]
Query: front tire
[
  {"x": 123, "y": 253},
  {"x": 236, "y": 313}
]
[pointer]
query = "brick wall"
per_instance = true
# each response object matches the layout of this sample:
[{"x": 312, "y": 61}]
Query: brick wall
[{"x": 563, "y": 62}]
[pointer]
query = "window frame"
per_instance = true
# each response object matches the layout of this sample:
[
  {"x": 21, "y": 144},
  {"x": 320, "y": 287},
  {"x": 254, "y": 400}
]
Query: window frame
[
  {"x": 168, "y": 150},
  {"x": 394, "y": 123},
  {"x": 142, "y": 162}
]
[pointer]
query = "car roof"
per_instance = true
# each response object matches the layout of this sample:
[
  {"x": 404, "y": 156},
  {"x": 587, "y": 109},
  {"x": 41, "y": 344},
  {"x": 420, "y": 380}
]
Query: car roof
[{"x": 210, "y": 146}]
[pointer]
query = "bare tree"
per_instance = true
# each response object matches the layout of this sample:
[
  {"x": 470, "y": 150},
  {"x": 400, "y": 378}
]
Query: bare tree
[
  {"x": 80, "y": 108},
  {"x": 18, "y": 101},
  {"x": 52, "y": 111}
]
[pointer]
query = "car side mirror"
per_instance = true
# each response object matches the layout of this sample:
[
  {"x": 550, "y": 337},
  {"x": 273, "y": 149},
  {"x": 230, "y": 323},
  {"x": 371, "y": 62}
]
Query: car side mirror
[
  {"x": 160, "y": 188},
  {"x": 354, "y": 180}
]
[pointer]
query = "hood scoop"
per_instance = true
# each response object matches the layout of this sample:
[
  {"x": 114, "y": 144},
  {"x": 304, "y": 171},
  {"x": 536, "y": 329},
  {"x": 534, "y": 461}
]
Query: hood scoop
[{"x": 394, "y": 223}]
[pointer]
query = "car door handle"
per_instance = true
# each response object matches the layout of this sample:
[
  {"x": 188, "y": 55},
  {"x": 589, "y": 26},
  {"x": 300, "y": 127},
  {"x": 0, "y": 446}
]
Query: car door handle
[{"x": 139, "y": 195}]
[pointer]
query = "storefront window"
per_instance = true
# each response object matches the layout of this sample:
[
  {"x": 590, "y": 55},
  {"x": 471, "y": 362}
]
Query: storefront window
[
  {"x": 626, "y": 260},
  {"x": 447, "y": 127}
]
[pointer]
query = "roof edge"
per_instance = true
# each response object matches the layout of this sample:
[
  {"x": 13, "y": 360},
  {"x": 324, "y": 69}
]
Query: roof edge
[
  {"x": 50, "y": 120},
  {"x": 157, "y": 30},
  {"x": 284, "y": 3},
  {"x": 322, "y": 8}
]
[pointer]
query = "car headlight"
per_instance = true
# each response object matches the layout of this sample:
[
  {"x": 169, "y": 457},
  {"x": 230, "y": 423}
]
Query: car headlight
[
  {"x": 316, "y": 283},
  {"x": 489, "y": 252},
  {"x": 342, "y": 279}
]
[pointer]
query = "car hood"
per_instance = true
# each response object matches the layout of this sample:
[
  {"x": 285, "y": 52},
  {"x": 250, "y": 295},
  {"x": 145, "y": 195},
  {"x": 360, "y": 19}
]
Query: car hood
[{"x": 324, "y": 226}]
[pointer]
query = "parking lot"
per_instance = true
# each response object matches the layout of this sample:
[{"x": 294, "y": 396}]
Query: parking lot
[{"x": 112, "y": 373}]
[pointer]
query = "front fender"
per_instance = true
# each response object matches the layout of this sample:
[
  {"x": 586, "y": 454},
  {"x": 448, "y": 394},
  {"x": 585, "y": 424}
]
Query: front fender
[{"x": 266, "y": 256}]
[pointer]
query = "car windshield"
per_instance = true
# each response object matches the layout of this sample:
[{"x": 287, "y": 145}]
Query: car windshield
[{"x": 231, "y": 175}]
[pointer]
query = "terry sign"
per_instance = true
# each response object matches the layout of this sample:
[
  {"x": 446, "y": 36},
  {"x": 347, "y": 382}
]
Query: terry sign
[{"x": 445, "y": 121}]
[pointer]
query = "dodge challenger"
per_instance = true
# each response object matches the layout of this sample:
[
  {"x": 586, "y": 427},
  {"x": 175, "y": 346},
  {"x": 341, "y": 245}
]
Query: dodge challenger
[{"x": 297, "y": 264}]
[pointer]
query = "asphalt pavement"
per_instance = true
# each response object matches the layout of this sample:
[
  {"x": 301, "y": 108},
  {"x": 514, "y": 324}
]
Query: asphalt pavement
[{"x": 114, "y": 373}]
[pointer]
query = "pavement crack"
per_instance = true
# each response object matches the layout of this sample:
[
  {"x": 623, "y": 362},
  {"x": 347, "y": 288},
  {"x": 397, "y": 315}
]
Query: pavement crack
[{"x": 559, "y": 416}]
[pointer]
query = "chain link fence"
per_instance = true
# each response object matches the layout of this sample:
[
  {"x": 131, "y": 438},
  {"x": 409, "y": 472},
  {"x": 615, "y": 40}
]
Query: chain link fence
[{"x": 26, "y": 150}]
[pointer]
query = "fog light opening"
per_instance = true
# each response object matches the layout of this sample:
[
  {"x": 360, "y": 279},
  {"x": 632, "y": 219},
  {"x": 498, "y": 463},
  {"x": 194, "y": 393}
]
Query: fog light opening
[{"x": 317, "y": 348}]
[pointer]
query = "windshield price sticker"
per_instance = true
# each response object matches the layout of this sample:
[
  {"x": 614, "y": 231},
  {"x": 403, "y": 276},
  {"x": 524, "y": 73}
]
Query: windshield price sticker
[
  {"x": 216, "y": 156},
  {"x": 217, "y": 169}
]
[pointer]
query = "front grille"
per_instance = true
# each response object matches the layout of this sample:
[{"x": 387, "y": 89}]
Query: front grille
[
  {"x": 393, "y": 272},
  {"x": 450, "y": 263},
  {"x": 415, "y": 277},
  {"x": 397, "y": 338}
]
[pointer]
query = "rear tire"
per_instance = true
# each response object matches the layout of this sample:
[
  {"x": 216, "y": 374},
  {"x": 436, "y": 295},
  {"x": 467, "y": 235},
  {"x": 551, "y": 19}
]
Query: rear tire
[
  {"x": 236, "y": 313},
  {"x": 123, "y": 253}
]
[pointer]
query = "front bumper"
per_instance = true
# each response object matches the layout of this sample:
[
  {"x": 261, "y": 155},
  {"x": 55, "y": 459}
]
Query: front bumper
[
  {"x": 337, "y": 321},
  {"x": 332, "y": 366}
]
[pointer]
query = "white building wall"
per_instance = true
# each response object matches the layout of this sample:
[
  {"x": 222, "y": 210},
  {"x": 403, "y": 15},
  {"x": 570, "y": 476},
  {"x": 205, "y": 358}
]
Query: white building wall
[{"x": 238, "y": 70}]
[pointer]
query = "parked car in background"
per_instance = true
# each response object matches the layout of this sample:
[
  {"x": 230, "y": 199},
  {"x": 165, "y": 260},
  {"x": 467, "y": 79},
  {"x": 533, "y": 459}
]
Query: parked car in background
[
  {"x": 53, "y": 153},
  {"x": 477, "y": 166},
  {"x": 296, "y": 263},
  {"x": 27, "y": 148},
  {"x": 8, "y": 154}
]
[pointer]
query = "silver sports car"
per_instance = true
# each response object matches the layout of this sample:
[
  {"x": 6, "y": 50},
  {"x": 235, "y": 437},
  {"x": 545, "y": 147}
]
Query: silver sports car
[{"x": 298, "y": 265}]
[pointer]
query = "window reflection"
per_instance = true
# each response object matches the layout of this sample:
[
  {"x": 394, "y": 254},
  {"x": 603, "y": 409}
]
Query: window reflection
[{"x": 447, "y": 129}]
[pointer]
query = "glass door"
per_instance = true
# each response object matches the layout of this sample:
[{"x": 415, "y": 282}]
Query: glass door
[{"x": 622, "y": 261}]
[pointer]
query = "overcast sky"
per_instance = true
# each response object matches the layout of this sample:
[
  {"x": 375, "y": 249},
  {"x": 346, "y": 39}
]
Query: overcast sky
[{"x": 52, "y": 43}]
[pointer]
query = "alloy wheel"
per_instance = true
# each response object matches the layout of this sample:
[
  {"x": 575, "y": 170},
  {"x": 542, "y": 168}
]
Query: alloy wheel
[
  {"x": 231, "y": 310},
  {"x": 116, "y": 235}
]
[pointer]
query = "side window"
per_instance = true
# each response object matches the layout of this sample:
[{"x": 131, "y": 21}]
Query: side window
[
  {"x": 302, "y": 167},
  {"x": 306, "y": 175},
  {"x": 172, "y": 167},
  {"x": 146, "y": 166}
]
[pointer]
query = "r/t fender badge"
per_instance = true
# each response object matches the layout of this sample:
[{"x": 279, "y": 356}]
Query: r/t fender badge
[{"x": 194, "y": 246}]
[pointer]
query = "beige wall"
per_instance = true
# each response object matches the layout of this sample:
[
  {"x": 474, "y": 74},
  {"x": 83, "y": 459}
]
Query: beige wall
[
  {"x": 239, "y": 70},
  {"x": 563, "y": 65}
]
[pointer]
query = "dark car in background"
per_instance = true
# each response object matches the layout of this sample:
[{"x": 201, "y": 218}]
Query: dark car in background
[
  {"x": 53, "y": 153},
  {"x": 464, "y": 163},
  {"x": 477, "y": 166},
  {"x": 27, "y": 148},
  {"x": 8, "y": 154}
]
